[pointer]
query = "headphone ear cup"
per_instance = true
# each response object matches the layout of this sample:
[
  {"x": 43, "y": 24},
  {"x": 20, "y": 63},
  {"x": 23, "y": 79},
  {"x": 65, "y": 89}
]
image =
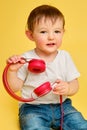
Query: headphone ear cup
[
  {"x": 43, "y": 89},
  {"x": 36, "y": 66}
]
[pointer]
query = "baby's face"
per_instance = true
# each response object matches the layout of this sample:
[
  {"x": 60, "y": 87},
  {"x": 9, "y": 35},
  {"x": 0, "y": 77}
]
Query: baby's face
[{"x": 48, "y": 35}]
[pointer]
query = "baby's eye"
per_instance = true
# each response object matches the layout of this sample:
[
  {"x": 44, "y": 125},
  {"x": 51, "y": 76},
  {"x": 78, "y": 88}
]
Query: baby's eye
[
  {"x": 57, "y": 31},
  {"x": 42, "y": 31}
]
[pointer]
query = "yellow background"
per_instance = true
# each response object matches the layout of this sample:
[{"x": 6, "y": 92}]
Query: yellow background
[{"x": 13, "y": 16}]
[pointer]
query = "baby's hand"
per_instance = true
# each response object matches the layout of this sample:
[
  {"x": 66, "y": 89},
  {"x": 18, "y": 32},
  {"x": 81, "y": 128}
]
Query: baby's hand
[
  {"x": 16, "y": 58},
  {"x": 61, "y": 88},
  {"x": 17, "y": 61}
]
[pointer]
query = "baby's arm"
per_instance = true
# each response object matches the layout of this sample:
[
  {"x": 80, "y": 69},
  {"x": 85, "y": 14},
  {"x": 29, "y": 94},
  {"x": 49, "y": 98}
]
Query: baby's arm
[
  {"x": 66, "y": 88},
  {"x": 14, "y": 82}
]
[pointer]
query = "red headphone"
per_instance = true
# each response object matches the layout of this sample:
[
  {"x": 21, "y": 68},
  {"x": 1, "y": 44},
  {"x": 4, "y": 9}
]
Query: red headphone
[{"x": 35, "y": 66}]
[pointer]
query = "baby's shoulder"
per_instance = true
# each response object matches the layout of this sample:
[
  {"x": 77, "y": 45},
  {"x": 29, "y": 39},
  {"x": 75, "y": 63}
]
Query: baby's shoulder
[{"x": 63, "y": 53}]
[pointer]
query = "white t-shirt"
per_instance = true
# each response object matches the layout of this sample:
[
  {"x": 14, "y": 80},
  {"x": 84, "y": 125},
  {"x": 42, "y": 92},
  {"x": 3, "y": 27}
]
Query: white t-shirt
[{"x": 62, "y": 67}]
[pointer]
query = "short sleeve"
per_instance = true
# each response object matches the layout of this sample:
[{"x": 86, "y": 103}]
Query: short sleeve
[
  {"x": 71, "y": 70},
  {"x": 22, "y": 72}
]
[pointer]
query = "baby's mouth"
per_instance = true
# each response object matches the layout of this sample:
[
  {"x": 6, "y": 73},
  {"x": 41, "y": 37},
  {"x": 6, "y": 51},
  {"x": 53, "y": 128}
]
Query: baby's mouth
[{"x": 50, "y": 44}]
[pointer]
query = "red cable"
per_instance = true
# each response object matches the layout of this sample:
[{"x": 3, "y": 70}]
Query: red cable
[{"x": 62, "y": 113}]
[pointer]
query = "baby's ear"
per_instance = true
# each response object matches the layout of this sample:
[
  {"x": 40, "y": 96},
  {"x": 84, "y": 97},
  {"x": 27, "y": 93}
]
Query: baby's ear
[{"x": 29, "y": 34}]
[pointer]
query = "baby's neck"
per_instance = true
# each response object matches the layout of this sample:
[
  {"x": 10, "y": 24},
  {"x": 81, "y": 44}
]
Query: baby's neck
[{"x": 47, "y": 57}]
